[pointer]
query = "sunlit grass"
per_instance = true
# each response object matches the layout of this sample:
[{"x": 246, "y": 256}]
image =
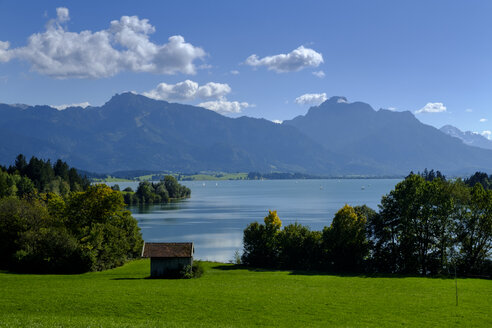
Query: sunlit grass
[{"x": 228, "y": 296}]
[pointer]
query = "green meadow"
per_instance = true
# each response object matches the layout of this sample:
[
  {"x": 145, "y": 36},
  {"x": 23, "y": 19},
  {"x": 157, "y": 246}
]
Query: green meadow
[{"x": 229, "y": 296}]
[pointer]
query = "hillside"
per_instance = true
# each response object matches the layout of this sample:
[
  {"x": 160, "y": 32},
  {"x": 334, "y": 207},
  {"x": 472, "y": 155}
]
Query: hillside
[
  {"x": 384, "y": 141},
  {"x": 227, "y": 296},
  {"x": 133, "y": 132}
]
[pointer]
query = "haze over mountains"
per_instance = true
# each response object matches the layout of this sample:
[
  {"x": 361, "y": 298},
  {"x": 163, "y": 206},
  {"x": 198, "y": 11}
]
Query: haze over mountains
[
  {"x": 468, "y": 137},
  {"x": 132, "y": 132}
]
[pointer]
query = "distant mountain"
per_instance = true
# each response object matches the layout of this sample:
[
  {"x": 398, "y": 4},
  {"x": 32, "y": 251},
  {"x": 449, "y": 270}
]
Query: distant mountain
[
  {"x": 132, "y": 132},
  {"x": 384, "y": 141},
  {"x": 468, "y": 137}
]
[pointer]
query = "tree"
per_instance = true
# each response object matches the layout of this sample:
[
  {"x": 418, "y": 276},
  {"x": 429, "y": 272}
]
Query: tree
[
  {"x": 474, "y": 230},
  {"x": 61, "y": 170},
  {"x": 20, "y": 164},
  {"x": 299, "y": 248},
  {"x": 481, "y": 178},
  {"x": 261, "y": 243},
  {"x": 344, "y": 242},
  {"x": 17, "y": 216}
]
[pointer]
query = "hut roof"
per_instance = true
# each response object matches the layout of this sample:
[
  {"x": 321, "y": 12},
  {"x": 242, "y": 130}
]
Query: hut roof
[{"x": 167, "y": 250}]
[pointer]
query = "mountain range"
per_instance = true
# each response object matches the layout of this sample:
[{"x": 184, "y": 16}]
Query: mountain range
[
  {"x": 468, "y": 137},
  {"x": 133, "y": 132}
]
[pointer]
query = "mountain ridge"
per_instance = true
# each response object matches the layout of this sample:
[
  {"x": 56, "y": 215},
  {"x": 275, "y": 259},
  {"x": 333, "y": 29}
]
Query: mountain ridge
[
  {"x": 468, "y": 137},
  {"x": 133, "y": 132}
]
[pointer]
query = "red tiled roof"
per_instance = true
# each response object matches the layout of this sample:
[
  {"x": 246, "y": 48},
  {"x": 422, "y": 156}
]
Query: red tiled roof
[{"x": 167, "y": 250}]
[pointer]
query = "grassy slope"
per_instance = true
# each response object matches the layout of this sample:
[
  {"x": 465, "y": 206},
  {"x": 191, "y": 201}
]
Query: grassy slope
[{"x": 232, "y": 297}]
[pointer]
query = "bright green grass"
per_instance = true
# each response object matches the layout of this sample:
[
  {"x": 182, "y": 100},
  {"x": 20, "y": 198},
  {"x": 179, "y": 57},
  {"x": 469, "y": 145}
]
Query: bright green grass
[{"x": 238, "y": 297}]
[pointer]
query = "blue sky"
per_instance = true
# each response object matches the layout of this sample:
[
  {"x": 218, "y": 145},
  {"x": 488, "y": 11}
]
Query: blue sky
[{"x": 416, "y": 55}]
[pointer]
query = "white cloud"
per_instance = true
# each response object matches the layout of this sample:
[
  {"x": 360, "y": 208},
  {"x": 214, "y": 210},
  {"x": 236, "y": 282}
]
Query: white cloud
[
  {"x": 224, "y": 106},
  {"x": 393, "y": 109},
  {"x": 277, "y": 121},
  {"x": 482, "y": 120},
  {"x": 213, "y": 90},
  {"x": 487, "y": 134},
  {"x": 125, "y": 46},
  {"x": 62, "y": 107},
  {"x": 319, "y": 74},
  {"x": 294, "y": 61},
  {"x": 234, "y": 72},
  {"x": 468, "y": 110},
  {"x": 311, "y": 98},
  {"x": 188, "y": 90},
  {"x": 432, "y": 108},
  {"x": 5, "y": 53},
  {"x": 62, "y": 14}
]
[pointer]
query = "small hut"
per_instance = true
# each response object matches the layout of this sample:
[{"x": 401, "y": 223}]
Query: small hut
[{"x": 168, "y": 258}]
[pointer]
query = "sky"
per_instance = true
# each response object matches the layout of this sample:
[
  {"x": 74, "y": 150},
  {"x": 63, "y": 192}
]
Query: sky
[{"x": 265, "y": 59}]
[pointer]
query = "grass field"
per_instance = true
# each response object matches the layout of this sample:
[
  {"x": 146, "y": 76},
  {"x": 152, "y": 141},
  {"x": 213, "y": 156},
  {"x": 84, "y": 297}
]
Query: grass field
[{"x": 226, "y": 296}]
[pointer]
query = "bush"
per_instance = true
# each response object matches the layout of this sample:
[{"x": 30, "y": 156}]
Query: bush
[{"x": 194, "y": 271}]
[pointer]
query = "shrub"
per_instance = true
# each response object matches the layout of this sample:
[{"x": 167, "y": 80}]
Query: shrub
[{"x": 194, "y": 271}]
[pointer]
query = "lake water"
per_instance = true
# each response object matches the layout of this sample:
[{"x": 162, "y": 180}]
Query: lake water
[{"x": 218, "y": 211}]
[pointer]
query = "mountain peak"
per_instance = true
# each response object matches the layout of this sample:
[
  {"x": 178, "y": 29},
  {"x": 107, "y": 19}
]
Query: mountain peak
[
  {"x": 467, "y": 137},
  {"x": 129, "y": 98},
  {"x": 336, "y": 100}
]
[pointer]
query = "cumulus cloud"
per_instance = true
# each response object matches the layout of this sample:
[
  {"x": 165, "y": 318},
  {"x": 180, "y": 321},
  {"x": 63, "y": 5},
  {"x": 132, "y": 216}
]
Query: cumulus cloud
[
  {"x": 432, "y": 108},
  {"x": 311, "y": 98},
  {"x": 124, "y": 46},
  {"x": 234, "y": 72},
  {"x": 223, "y": 106},
  {"x": 277, "y": 121},
  {"x": 487, "y": 134},
  {"x": 213, "y": 90},
  {"x": 319, "y": 74},
  {"x": 294, "y": 61},
  {"x": 482, "y": 120},
  {"x": 62, "y": 107},
  {"x": 188, "y": 90}
]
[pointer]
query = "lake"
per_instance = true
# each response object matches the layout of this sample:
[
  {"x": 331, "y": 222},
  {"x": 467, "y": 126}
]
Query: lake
[{"x": 218, "y": 211}]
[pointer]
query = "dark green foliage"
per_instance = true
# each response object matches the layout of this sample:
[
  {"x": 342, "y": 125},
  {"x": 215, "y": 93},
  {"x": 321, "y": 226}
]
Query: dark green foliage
[
  {"x": 47, "y": 233},
  {"x": 474, "y": 230},
  {"x": 431, "y": 175},
  {"x": 344, "y": 241},
  {"x": 159, "y": 192},
  {"x": 192, "y": 271},
  {"x": 49, "y": 250},
  {"x": 425, "y": 226},
  {"x": 39, "y": 175},
  {"x": 413, "y": 233},
  {"x": 261, "y": 242},
  {"x": 481, "y": 178},
  {"x": 299, "y": 248},
  {"x": 429, "y": 226},
  {"x": 128, "y": 189},
  {"x": 296, "y": 247}
]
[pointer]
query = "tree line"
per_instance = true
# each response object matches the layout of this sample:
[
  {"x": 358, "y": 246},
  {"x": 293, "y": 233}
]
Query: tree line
[
  {"x": 425, "y": 226},
  {"x": 162, "y": 191},
  {"x": 53, "y": 221},
  {"x": 24, "y": 178}
]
